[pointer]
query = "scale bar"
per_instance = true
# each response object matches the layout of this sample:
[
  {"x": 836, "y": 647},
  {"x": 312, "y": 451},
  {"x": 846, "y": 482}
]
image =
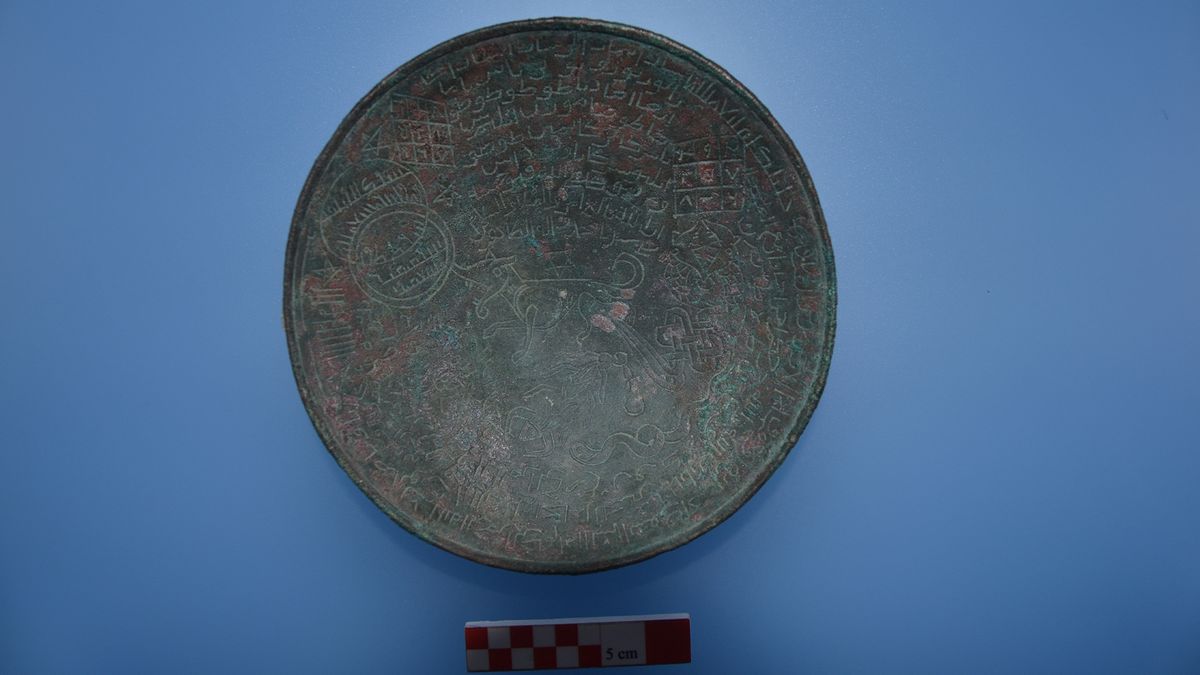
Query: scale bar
[{"x": 656, "y": 639}]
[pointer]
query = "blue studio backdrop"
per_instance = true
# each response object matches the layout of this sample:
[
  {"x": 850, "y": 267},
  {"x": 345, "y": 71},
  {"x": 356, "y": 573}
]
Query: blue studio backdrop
[{"x": 1002, "y": 475}]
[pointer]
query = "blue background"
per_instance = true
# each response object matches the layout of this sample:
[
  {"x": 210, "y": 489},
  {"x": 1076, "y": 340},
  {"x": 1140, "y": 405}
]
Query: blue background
[{"x": 1002, "y": 476}]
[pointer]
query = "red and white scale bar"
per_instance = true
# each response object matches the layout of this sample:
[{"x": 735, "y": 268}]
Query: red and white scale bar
[{"x": 579, "y": 643}]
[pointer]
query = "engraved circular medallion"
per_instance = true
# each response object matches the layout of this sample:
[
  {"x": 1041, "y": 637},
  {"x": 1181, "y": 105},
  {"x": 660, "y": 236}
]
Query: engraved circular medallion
[{"x": 559, "y": 295}]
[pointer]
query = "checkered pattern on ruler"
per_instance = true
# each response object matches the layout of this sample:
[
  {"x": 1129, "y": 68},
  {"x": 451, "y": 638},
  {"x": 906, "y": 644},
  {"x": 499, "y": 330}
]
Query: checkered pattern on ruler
[
  {"x": 570, "y": 643},
  {"x": 564, "y": 645}
]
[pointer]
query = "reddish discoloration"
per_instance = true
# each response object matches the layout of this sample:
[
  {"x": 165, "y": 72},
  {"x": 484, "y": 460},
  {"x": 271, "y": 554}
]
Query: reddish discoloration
[
  {"x": 753, "y": 442},
  {"x": 603, "y": 323},
  {"x": 619, "y": 310}
]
